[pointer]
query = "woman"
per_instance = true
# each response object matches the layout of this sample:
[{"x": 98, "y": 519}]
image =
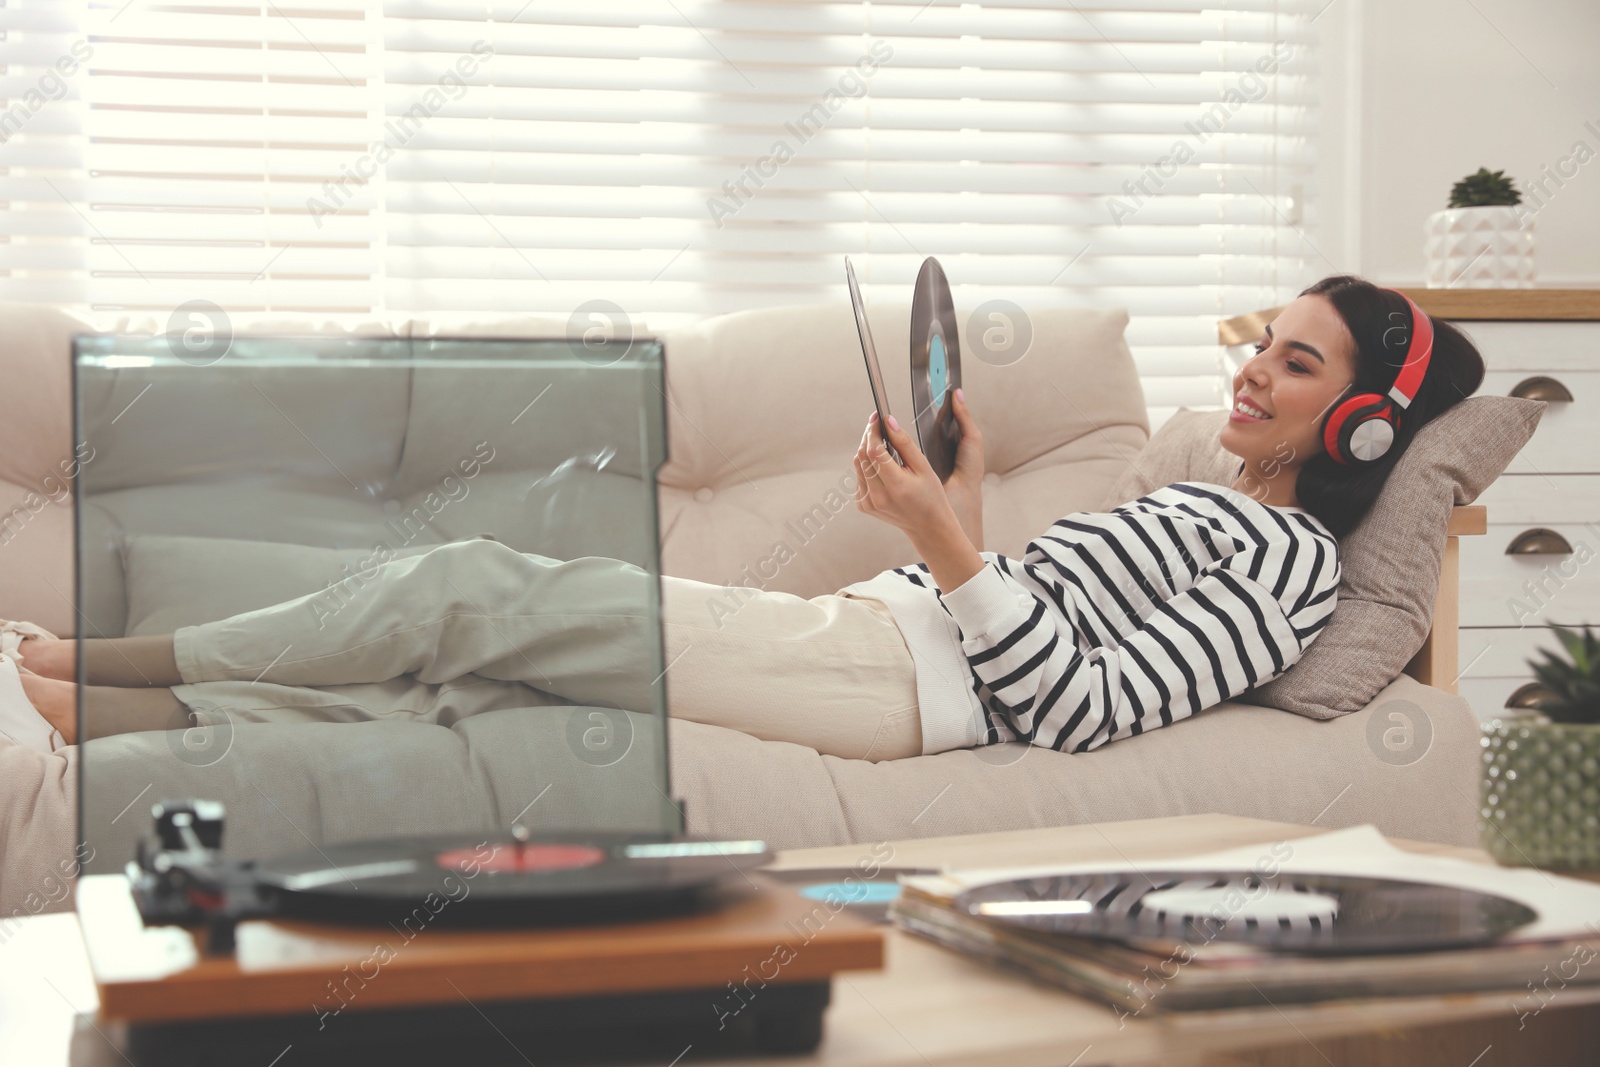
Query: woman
[{"x": 1109, "y": 625}]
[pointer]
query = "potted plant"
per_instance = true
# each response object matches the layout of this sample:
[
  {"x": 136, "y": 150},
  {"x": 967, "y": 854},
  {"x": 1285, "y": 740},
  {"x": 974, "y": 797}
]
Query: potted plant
[
  {"x": 1540, "y": 788},
  {"x": 1482, "y": 240}
]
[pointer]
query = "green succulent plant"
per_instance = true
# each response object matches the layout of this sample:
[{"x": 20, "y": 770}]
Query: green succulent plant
[
  {"x": 1572, "y": 684},
  {"x": 1485, "y": 189}
]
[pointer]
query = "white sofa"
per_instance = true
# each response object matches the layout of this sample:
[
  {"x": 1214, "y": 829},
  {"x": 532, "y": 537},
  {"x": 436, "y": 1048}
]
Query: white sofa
[{"x": 764, "y": 411}]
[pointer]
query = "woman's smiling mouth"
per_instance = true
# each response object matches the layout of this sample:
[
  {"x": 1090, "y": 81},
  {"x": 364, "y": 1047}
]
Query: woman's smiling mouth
[{"x": 1244, "y": 411}]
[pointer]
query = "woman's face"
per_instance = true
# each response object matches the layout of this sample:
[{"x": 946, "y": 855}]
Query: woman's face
[{"x": 1300, "y": 369}]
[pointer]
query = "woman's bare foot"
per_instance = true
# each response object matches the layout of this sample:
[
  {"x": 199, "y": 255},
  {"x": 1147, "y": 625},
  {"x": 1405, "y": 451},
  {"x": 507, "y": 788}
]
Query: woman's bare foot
[
  {"x": 50, "y": 657},
  {"x": 54, "y": 699}
]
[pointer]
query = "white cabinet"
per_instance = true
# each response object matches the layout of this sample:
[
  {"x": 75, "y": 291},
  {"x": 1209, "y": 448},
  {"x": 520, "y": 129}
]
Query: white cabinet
[{"x": 1540, "y": 560}]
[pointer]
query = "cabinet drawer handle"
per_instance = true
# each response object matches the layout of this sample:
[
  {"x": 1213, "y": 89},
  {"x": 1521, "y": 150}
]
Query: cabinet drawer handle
[
  {"x": 1542, "y": 387},
  {"x": 1539, "y": 542},
  {"x": 1530, "y": 696}
]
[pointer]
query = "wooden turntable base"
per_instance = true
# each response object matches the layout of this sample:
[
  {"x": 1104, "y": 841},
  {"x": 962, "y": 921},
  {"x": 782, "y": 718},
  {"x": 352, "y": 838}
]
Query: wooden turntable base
[{"x": 764, "y": 955}]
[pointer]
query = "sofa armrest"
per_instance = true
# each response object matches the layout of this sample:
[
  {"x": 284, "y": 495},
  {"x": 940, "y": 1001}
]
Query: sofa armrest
[{"x": 1437, "y": 661}]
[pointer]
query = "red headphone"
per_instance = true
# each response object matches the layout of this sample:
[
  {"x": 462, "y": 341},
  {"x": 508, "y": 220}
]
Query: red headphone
[{"x": 1362, "y": 428}]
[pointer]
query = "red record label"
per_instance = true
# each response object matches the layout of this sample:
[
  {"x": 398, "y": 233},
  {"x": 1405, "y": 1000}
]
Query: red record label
[{"x": 530, "y": 857}]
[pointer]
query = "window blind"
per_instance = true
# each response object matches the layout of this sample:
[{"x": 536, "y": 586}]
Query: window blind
[
  {"x": 43, "y": 51},
  {"x": 676, "y": 158}
]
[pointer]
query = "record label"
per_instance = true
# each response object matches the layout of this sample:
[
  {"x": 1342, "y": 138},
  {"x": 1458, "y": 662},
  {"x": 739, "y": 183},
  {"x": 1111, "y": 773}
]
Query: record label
[{"x": 523, "y": 857}]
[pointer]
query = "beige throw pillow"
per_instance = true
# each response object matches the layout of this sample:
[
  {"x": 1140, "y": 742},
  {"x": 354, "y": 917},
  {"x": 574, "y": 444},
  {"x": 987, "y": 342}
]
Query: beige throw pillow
[
  {"x": 176, "y": 581},
  {"x": 1390, "y": 561}
]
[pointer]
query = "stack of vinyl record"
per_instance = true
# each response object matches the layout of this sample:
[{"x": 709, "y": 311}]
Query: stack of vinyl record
[{"x": 1154, "y": 940}]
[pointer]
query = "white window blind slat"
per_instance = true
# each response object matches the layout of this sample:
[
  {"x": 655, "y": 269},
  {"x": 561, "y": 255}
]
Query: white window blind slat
[
  {"x": 809, "y": 16},
  {"x": 659, "y": 184}
]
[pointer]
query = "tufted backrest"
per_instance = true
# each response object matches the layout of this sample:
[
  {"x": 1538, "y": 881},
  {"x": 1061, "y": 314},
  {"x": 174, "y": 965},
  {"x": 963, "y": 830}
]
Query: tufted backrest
[
  {"x": 765, "y": 409},
  {"x": 768, "y": 407}
]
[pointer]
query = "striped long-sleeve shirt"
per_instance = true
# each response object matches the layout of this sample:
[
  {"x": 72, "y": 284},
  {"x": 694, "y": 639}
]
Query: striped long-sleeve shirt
[{"x": 1114, "y": 623}]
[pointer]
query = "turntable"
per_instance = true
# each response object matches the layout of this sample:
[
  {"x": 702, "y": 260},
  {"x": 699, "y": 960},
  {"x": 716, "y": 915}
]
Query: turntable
[
  {"x": 412, "y": 869},
  {"x": 558, "y": 946}
]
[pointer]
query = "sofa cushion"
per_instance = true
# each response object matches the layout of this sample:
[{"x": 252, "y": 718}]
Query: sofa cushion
[
  {"x": 733, "y": 785},
  {"x": 178, "y": 424},
  {"x": 253, "y": 513},
  {"x": 287, "y": 785},
  {"x": 1390, "y": 561},
  {"x": 1231, "y": 758},
  {"x": 184, "y": 581}
]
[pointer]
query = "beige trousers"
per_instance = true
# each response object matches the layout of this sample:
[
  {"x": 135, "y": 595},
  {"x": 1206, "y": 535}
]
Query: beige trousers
[{"x": 472, "y": 626}]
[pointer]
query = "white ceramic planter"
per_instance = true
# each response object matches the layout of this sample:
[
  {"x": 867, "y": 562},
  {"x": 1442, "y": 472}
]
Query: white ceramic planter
[{"x": 1479, "y": 248}]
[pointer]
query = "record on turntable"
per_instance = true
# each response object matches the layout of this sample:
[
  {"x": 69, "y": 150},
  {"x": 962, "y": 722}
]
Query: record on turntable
[
  {"x": 495, "y": 878},
  {"x": 498, "y": 879},
  {"x": 935, "y": 368},
  {"x": 1326, "y": 914}
]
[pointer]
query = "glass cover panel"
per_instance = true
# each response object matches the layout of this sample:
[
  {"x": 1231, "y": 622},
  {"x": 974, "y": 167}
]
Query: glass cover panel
[{"x": 370, "y": 588}]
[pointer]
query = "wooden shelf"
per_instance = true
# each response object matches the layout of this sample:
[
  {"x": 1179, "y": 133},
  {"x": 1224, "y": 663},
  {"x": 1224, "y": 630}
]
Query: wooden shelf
[{"x": 1536, "y": 305}]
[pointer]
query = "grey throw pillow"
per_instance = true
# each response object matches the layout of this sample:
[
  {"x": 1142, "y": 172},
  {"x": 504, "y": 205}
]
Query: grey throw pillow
[{"x": 1390, "y": 561}]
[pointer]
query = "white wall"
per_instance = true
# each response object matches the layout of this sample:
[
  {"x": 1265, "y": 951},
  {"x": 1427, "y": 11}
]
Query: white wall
[{"x": 1421, "y": 93}]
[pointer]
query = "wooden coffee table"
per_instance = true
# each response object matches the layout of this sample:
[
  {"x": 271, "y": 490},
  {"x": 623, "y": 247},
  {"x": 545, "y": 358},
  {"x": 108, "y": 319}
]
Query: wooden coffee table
[{"x": 930, "y": 1006}]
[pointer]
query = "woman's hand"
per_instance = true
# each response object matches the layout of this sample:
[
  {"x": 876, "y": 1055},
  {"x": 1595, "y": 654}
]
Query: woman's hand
[
  {"x": 964, "y": 487},
  {"x": 908, "y": 497},
  {"x": 912, "y": 498}
]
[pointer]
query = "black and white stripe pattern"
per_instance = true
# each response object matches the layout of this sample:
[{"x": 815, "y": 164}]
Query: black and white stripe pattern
[{"x": 1114, "y": 623}]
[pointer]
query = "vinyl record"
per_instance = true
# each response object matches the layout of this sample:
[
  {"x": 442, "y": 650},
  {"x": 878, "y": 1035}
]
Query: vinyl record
[
  {"x": 1323, "y": 914},
  {"x": 935, "y": 367},
  {"x": 552, "y": 879}
]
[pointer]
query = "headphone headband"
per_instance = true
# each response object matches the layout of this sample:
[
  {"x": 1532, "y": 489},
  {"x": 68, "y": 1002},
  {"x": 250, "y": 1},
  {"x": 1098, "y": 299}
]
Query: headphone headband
[{"x": 1419, "y": 350}]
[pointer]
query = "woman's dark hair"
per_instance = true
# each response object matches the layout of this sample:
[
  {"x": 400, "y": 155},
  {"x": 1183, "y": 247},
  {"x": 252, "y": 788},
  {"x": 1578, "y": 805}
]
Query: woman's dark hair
[{"x": 1338, "y": 495}]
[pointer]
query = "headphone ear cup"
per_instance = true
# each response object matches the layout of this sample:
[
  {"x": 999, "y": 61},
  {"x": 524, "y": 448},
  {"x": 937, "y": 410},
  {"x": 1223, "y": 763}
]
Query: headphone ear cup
[{"x": 1360, "y": 430}]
